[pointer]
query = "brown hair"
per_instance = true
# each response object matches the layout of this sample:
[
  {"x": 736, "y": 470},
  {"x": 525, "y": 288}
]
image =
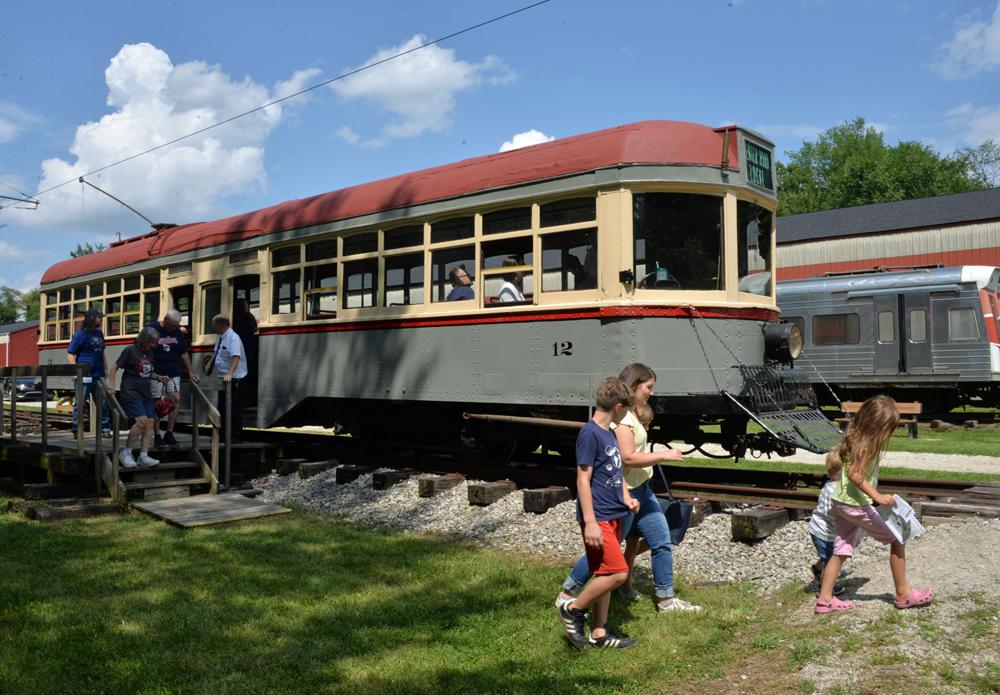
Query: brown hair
[
  {"x": 510, "y": 262},
  {"x": 867, "y": 436},
  {"x": 635, "y": 374},
  {"x": 613, "y": 391},
  {"x": 645, "y": 415}
]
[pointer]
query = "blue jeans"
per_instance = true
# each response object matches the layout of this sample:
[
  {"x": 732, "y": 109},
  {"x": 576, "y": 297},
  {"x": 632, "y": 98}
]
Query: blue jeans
[
  {"x": 88, "y": 392},
  {"x": 648, "y": 523},
  {"x": 824, "y": 548}
]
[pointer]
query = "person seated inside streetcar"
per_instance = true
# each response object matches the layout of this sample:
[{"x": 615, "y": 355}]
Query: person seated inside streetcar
[
  {"x": 511, "y": 289},
  {"x": 461, "y": 283}
]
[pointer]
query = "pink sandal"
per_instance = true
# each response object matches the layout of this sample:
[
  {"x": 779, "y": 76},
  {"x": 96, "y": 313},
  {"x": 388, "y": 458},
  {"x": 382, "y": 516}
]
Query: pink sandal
[
  {"x": 917, "y": 597},
  {"x": 835, "y": 604}
]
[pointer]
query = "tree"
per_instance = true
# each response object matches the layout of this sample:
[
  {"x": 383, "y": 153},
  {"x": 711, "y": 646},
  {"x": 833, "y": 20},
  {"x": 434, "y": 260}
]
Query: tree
[
  {"x": 9, "y": 298},
  {"x": 30, "y": 304},
  {"x": 86, "y": 248},
  {"x": 983, "y": 162},
  {"x": 850, "y": 164}
]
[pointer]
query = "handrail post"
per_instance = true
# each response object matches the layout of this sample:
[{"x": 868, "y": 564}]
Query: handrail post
[
  {"x": 115, "y": 438},
  {"x": 229, "y": 426},
  {"x": 80, "y": 404},
  {"x": 45, "y": 406},
  {"x": 97, "y": 424},
  {"x": 13, "y": 405}
]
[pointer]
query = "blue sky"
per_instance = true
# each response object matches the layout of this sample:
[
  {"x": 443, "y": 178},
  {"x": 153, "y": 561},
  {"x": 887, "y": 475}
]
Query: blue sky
[{"x": 85, "y": 84}]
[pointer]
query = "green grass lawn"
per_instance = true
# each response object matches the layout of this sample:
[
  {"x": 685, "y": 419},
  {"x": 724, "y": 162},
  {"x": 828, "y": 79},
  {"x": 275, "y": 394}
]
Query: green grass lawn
[{"x": 302, "y": 605}]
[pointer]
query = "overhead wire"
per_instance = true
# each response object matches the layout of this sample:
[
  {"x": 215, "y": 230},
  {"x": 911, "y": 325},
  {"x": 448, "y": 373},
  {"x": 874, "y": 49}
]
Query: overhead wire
[{"x": 292, "y": 96}]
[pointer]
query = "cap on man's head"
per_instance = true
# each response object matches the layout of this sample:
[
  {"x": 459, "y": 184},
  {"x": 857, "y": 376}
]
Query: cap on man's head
[{"x": 93, "y": 314}]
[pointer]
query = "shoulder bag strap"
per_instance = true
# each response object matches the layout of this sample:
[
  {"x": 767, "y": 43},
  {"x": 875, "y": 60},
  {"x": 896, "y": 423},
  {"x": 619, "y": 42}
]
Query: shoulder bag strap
[{"x": 665, "y": 483}]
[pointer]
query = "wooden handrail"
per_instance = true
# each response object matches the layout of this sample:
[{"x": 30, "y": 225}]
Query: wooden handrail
[
  {"x": 210, "y": 410},
  {"x": 102, "y": 382}
]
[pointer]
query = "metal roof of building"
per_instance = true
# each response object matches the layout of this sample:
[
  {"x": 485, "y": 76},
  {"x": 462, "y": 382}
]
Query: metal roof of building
[
  {"x": 900, "y": 215},
  {"x": 15, "y": 327}
]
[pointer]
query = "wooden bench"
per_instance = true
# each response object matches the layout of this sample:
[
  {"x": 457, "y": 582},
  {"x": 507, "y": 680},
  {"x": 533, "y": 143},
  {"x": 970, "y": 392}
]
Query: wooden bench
[{"x": 911, "y": 409}]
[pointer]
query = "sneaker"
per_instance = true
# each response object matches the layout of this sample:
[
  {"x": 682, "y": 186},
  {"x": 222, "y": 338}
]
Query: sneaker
[
  {"x": 838, "y": 589},
  {"x": 563, "y": 601},
  {"x": 127, "y": 460},
  {"x": 634, "y": 595},
  {"x": 573, "y": 622},
  {"x": 170, "y": 440},
  {"x": 146, "y": 460},
  {"x": 676, "y": 604},
  {"x": 105, "y": 432},
  {"x": 157, "y": 440},
  {"x": 612, "y": 640}
]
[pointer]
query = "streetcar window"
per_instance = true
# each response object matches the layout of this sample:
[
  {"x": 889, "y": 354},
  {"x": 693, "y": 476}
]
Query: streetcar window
[
  {"x": 403, "y": 237},
  {"x": 97, "y": 304},
  {"x": 568, "y": 212},
  {"x": 80, "y": 293},
  {"x": 404, "y": 279},
  {"x": 321, "y": 291},
  {"x": 286, "y": 256},
  {"x": 178, "y": 269},
  {"x": 114, "y": 286},
  {"x": 453, "y": 229},
  {"x": 50, "y": 315},
  {"x": 132, "y": 313},
  {"x": 507, "y": 271},
  {"x": 361, "y": 283},
  {"x": 886, "y": 327},
  {"x": 50, "y": 331},
  {"x": 918, "y": 325},
  {"x": 211, "y": 305},
  {"x": 679, "y": 241},
  {"x": 442, "y": 262},
  {"x": 321, "y": 250},
  {"x": 569, "y": 261},
  {"x": 113, "y": 308},
  {"x": 64, "y": 331},
  {"x": 150, "y": 307},
  {"x": 754, "y": 226},
  {"x": 514, "y": 220},
  {"x": 114, "y": 325},
  {"x": 66, "y": 296},
  {"x": 151, "y": 280},
  {"x": 132, "y": 283},
  {"x": 183, "y": 302},
  {"x": 963, "y": 324},
  {"x": 285, "y": 291},
  {"x": 366, "y": 242},
  {"x": 837, "y": 329},
  {"x": 97, "y": 289},
  {"x": 78, "y": 311},
  {"x": 52, "y": 298}
]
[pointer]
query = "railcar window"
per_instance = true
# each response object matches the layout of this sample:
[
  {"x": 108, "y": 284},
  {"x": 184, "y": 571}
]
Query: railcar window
[
  {"x": 286, "y": 256},
  {"x": 918, "y": 325},
  {"x": 321, "y": 250},
  {"x": 507, "y": 267},
  {"x": 211, "y": 306},
  {"x": 754, "y": 226},
  {"x": 132, "y": 314},
  {"x": 97, "y": 304},
  {"x": 150, "y": 280},
  {"x": 132, "y": 283},
  {"x": 150, "y": 307},
  {"x": 571, "y": 211},
  {"x": 97, "y": 289},
  {"x": 362, "y": 283},
  {"x": 80, "y": 292},
  {"x": 114, "y": 286},
  {"x": 837, "y": 329},
  {"x": 886, "y": 327},
  {"x": 366, "y": 242},
  {"x": 453, "y": 229},
  {"x": 678, "y": 241},
  {"x": 79, "y": 309},
  {"x": 114, "y": 312},
  {"x": 321, "y": 291},
  {"x": 513, "y": 220},
  {"x": 285, "y": 290},
  {"x": 403, "y": 237},
  {"x": 66, "y": 296},
  {"x": 183, "y": 298},
  {"x": 963, "y": 324},
  {"x": 178, "y": 269},
  {"x": 52, "y": 298},
  {"x": 569, "y": 261},
  {"x": 404, "y": 279},
  {"x": 442, "y": 261}
]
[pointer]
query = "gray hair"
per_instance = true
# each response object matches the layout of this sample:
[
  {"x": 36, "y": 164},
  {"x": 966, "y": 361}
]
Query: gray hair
[
  {"x": 221, "y": 319},
  {"x": 172, "y": 315},
  {"x": 147, "y": 335}
]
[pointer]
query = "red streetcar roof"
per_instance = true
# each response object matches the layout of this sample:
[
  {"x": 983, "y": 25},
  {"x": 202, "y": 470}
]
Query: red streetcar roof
[{"x": 648, "y": 142}]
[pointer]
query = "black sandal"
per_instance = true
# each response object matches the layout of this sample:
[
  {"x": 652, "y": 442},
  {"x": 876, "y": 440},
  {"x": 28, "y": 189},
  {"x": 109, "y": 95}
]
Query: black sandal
[{"x": 817, "y": 572}]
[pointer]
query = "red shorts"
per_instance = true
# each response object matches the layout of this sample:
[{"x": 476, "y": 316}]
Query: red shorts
[{"x": 609, "y": 559}]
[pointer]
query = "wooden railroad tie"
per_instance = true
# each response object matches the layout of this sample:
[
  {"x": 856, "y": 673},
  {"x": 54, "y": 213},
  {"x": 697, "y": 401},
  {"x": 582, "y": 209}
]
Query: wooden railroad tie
[
  {"x": 348, "y": 474},
  {"x": 754, "y": 524},
  {"x": 485, "y": 494},
  {"x": 386, "y": 479},
  {"x": 288, "y": 466},
  {"x": 54, "y": 510},
  {"x": 428, "y": 487},
  {"x": 543, "y": 499},
  {"x": 308, "y": 470}
]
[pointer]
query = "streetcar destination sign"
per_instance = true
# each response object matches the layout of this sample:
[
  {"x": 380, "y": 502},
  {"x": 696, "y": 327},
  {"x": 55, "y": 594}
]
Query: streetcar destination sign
[{"x": 758, "y": 166}]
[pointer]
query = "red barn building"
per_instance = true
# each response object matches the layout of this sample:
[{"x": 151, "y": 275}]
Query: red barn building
[
  {"x": 19, "y": 344},
  {"x": 956, "y": 229}
]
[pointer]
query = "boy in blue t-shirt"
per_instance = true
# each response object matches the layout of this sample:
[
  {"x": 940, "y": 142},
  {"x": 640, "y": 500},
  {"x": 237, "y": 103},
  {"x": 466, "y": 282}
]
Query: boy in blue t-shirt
[
  {"x": 87, "y": 347},
  {"x": 602, "y": 502}
]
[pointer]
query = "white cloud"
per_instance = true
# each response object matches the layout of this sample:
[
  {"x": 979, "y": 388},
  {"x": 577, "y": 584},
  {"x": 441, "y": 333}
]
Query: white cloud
[
  {"x": 155, "y": 102},
  {"x": 975, "y": 124},
  {"x": 14, "y": 253},
  {"x": 13, "y": 121},
  {"x": 532, "y": 137},
  {"x": 417, "y": 90},
  {"x": 974, "y": 48},
  {"x": 802, "y": 131}
]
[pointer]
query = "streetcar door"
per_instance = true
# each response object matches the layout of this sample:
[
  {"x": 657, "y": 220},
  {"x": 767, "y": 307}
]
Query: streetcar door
[
  {"x": 888, "y": 355},
  {"x": 246, "y": 300},
  {"x": 917, "y": 354}
]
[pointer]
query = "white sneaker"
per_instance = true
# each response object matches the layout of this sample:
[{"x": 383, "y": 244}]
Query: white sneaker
[
  {"x": 563, "y": 601},
  {"x": 676, "y": 604},
  {"x": 147, "y": 460},
  {"x": 126, "y": 460}
]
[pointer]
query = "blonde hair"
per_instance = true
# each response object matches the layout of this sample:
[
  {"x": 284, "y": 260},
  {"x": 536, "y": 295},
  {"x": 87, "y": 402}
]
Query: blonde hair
[
  {"x": 645, "y": 415},
  {"x": 867, "y": 436}
]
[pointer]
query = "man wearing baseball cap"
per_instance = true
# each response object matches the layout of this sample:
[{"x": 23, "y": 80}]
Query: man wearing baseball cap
[{"x": 87, "y": 347}]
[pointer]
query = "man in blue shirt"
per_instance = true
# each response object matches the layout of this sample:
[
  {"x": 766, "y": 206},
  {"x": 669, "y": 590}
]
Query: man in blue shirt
[
  {"x": 87, "y": 347},
  {"x": 170, "y": 352},
  {"x": 461, "y": 283}
]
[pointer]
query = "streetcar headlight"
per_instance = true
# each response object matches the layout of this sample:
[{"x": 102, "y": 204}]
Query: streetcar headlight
[{"x": 782, "y": 342}]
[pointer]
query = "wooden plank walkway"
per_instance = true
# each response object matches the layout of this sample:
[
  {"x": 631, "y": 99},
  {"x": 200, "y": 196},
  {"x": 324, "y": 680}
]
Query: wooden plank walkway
[
  {"x": 66, "y": 442},
  {"x": 205, "y": 510}
]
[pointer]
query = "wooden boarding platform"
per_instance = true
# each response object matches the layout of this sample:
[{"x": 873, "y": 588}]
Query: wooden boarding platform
[{"x": 205, "y": 510}]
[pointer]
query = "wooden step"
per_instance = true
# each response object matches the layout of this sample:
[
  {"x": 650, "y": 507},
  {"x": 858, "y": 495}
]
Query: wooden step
[
  {"x": 167, "y": 483},
  {"x": 165, "y": 466}
]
